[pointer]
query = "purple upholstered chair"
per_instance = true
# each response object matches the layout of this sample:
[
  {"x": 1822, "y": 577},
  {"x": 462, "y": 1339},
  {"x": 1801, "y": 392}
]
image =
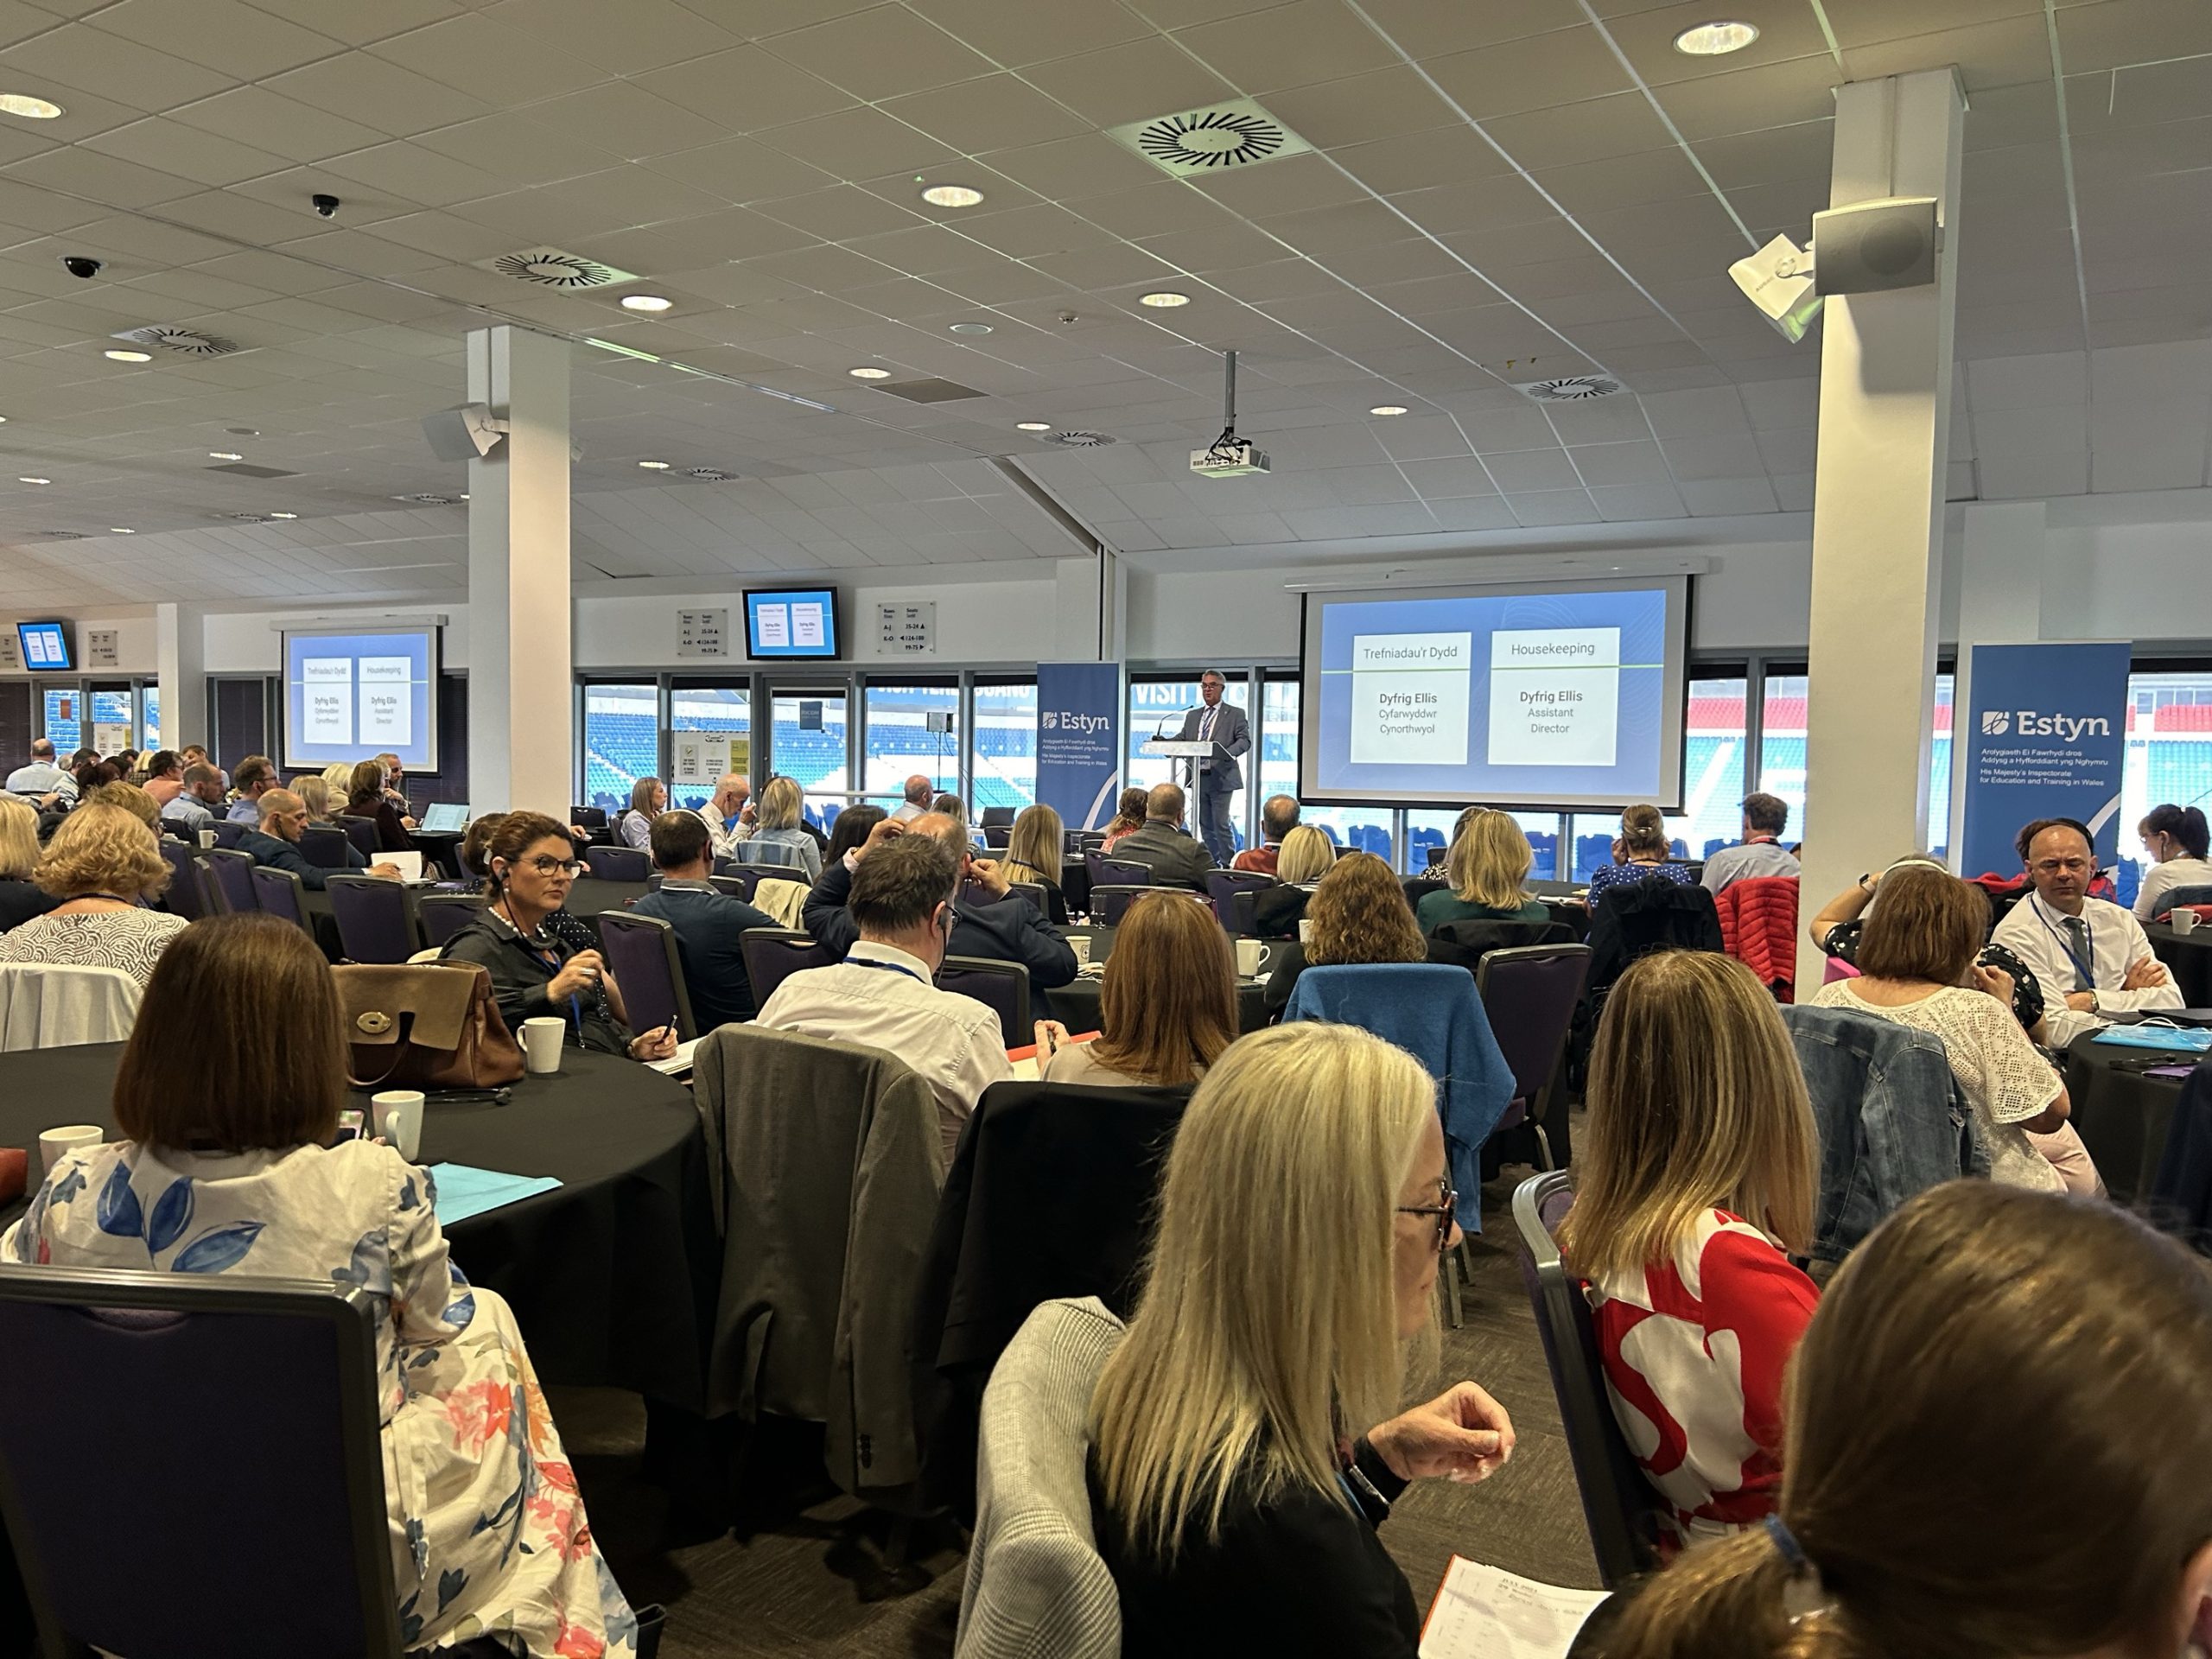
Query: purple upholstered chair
[
  {"x": 1530, "y": 995},
  {"x": 233, "y": 879},
  {"x": 374, "y": 923},
  {"x": 278, "y": 893},
  {"x": 641, "y": 954},
  {"x": 775, "y": 954}
]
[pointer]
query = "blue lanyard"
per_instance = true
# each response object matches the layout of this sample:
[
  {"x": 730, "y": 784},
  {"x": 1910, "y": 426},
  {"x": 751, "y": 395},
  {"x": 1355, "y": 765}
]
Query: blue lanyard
[
  {"x": 887, "y": 967},
  {"x": 2088, "y": 969},
  {"x": 552, "y": 960}
]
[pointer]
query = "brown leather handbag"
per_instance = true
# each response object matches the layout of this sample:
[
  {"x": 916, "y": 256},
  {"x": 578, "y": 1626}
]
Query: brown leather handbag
[{"x": 431, "y": 1025}]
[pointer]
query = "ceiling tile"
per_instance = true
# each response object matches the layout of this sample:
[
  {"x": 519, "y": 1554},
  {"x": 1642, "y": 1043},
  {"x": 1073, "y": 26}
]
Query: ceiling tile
[
  {"x": 1724, "y": 498},
  {"x": 1298, "y": 44},
  {"x": 627, "y": 39},
  {"x": 1746, "y": 101},
  {"x": 1538, "y": 71},
  {"x": 1361, "y": 109},
  {"x": 2112, "y": 34},
  {"x": 378, "y": 94},
  {"x": 995, "y": 112},
  {"x": 240, "y": 42},
  {"x": 1627, "y": 503},
  {"x": 1036, "y": 30},
  {"x": 500, "y": 64},
  {"x": 881, "y": 54},
  {"x": 1133, "y": 82},
  {"x": 1620, "y": 125},
  {"x": 857, "y": 143},
  {"x": 746, "y": 88},
  {"x": 1425, "y": 29},
  {"x": 145, "y": 77}
]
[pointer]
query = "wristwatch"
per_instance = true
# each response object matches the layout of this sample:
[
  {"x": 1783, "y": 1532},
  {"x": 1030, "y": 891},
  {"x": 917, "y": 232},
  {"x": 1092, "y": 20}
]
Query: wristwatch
[{"x": 1862, "y": 876}]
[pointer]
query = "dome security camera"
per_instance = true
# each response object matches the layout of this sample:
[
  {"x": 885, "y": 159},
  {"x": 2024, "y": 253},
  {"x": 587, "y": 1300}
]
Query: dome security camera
[
  {"x": 327, "y": 206},
  {"x": 80, "y": 265}
]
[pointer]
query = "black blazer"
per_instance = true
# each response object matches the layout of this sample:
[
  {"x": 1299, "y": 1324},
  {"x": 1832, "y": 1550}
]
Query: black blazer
[
  {"x": 1304, "y": 1578},
  {"x": 519, "y": 976},
  {"x": 391, "y": 835},
  {"x": 1276, "y": 912},
  {"x": 1007, "y": 930},
  {"x": 20, "y": 900},
  {"x": 1175, "y": 859}
]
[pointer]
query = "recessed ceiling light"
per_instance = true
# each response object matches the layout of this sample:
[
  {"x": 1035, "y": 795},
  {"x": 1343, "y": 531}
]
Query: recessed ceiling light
[
  {"x": 870, "y": 374},
  {"x": 972, "y": 328},
  {"x": 23, "y": 104},
  {"x": 224, "y": 454},
  {"x": 645, "y": 303},
  {"x": 119, "y": 530},
  {"x": 1388, "y": 409},
  {"x": 951, "y": 195},
  {"x": 1716, "y": 40},
  {"x": 29, "y": 480},
  {"x": 1163, "y": 302},
  {"x": 243, "y": 431},
  {"x": 128, "y": 357},
  {"x": 654, "y": 466},
  {"x": 1032, "y": 426},
  {"x": 283, "y": 515}
]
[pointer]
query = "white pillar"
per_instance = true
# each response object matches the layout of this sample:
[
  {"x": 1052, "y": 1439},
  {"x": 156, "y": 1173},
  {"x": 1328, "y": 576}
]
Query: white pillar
[
  {"x": 181, "y": 669},
  {"x": 2002, "y": 555},
  {"x": 521, "y": 699},
  {"x": 1878, "y": 505}
]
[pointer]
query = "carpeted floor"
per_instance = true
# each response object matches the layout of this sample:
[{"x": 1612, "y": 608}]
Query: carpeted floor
[{"x": 811, "y": 1584}]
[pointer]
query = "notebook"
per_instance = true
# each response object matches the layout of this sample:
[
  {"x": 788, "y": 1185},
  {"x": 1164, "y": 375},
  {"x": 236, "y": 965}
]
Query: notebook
[
  {"x": 465, "y": 1191},
  {"x": 409, "y": 864},
  {"x": 446, "y": 815},
  {"x": 1485, "y": 1612}
]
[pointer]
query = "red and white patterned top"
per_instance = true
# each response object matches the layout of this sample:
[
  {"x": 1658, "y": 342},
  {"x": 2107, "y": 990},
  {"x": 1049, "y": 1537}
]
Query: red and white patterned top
[{"x": 1694, "y": 1350}]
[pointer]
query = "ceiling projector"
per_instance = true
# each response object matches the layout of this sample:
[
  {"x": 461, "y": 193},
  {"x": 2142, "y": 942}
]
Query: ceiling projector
[{"x": 1228, "y": 458}]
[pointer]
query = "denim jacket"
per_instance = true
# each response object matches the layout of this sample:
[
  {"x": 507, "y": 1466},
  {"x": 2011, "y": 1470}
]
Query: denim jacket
[{"x": 1892, "y": 1119}]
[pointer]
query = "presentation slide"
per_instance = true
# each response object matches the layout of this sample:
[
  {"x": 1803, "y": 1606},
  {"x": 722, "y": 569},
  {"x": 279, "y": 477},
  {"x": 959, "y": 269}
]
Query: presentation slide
[
  {"x": 1558, "y": 694},
  {"x": 351, "y": 695}
]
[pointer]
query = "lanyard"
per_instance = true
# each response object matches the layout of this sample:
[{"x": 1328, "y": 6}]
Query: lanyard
[
  {"x": 887, "y": 967},
  {"x": 2086, "y": 970},
  {"x": 552, "y": 960}
]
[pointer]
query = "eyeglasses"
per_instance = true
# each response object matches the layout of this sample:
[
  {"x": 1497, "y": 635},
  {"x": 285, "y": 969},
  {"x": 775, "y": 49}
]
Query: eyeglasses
[
  {"x": 568, "y": 867},
  {"x": 1446, "y": 1210}
]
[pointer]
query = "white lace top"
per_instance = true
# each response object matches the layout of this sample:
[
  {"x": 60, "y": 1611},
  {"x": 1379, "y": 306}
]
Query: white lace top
[{"x": 1998, "y": 1070}]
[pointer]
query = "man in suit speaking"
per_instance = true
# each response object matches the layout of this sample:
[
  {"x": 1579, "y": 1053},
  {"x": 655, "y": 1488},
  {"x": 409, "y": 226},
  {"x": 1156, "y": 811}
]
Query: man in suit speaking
[{"x": 1225, "y": 726}]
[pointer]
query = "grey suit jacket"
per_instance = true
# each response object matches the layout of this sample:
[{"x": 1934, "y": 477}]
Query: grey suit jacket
[
  {"x": 1232, "y": 736},
  {"x": 1175, "y": 859}
]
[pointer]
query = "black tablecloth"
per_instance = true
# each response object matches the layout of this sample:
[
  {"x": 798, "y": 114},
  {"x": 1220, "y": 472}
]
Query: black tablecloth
[
  {"x": 612, "y": 1276},
  {"x": 2122, "y": 1116},
  {"x": 1075, "y": 1005},
  {"x": 2189, "y": 957}
]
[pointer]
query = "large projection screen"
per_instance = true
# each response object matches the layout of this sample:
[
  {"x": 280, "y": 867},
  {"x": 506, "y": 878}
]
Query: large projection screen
[
  {"x": 1564, "y": 695},
  {"x": 352, "y": 693}
]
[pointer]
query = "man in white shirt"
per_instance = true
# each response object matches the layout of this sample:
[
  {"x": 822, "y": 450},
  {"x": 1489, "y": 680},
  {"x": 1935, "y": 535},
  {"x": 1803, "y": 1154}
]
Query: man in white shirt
[
  {"x": 1761, "y": 851},
  {"x": 728, "y": 815},
  {"x": 884, "y": 994},
  {"x": 41, "y": 775},
  {"x": 919, "y": 791},
  {"x": 2091, "y": 957}
]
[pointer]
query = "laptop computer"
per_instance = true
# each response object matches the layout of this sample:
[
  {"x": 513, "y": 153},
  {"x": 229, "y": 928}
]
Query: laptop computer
[{"x": 446, "y": 815}]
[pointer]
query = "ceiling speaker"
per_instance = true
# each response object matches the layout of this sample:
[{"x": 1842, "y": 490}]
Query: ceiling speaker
[{"x": 1871, "y": 246}]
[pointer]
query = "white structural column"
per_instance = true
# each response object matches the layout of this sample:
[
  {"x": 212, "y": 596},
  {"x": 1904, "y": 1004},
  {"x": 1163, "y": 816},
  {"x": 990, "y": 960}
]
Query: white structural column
[
  {"x": 2002, "y": 556},
  {"x": 1878, "y": 505},
  {"x": 521, "y": 696},
  {"x": 181, "y": 669}
]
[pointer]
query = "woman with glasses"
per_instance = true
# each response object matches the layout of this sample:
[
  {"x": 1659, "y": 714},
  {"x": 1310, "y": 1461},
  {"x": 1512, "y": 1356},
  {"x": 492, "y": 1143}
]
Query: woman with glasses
[
  {"x": 1235, "y": 1492},
  {"x": 540, "y": 961},
  {"x": 1695, "y": 1174}
]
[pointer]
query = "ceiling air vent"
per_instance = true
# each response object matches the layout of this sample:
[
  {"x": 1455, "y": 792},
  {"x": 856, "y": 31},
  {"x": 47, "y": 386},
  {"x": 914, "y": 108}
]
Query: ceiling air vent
[
  {"x": 431, "y": 500},
  {"x": 249, "y": 517},
  {"x": 552, "y": 268},
  {"x": 1219, "y": 138},
  {"x": 247, "y": 469},
  {"x": 1080, "y": 439},
  {"x": 188, "y": 342},
  {"x": 711, "y": 474},
  {"x": 928, "y": 392},
  {"x": 1570, "y": 389}
]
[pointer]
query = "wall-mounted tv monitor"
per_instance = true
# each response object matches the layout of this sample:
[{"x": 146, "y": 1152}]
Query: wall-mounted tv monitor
[
  {"x": 791, "y": 622},
  {"x": 46, "y": 646}
]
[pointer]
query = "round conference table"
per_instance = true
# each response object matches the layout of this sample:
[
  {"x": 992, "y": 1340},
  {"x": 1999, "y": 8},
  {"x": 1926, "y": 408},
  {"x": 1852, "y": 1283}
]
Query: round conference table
[
  {"x": 612, "y": 1276},
  {"x": 2122, "y": 1113},
  {"x": 2189, "y": 957}
]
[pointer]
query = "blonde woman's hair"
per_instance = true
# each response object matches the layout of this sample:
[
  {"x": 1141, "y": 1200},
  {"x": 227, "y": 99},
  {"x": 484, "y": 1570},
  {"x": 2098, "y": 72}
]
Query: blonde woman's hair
[
  {"x": 641, "y": 795},
  {"x": 101, "y": 848},
  {"x": 313, "y": 793},
  {"x": 1977, "y": 1321},
  {"x": 780, "y": 804},
  {"x": 18, "y": 837},
  {"x": 1306, "y": 855},
  {"x": 131, "y": 799},
  {"x": 1695, "y": 1103},
  {"x": 1360, "y": 914},
  {"x": 338, "y": 779},
  {"x": 1265, "y": 1330},
  {"x": 1489, "y": 861},
  {"x": 1034, "y": 849}
]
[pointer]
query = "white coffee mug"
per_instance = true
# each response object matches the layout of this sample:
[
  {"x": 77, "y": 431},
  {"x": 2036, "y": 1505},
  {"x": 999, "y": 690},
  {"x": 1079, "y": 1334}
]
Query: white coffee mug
[
  {"x": 52, "y": 1143},
  {"x": 1305, "y": 932},
  {"x": 207, "y": 839},
  {"x": 542, "y": 1037},
  {"x": 1252, "y": 958},
  {"x": 1080, "y": 943},
  {"x": 399, "y": 1120},
  {"x": 2183, "y": 919}
]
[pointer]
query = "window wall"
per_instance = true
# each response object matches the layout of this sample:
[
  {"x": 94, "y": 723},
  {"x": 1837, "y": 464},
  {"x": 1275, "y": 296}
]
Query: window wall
[
  {"x": 1003, "y": 766},
  {"x": 2168, "y": 757},
  {"x": 807, "y": 744},
  {"x": 621, "y": 742},
  {"x": 720, "y": 709},
  {"x": 897, "y": 743}
]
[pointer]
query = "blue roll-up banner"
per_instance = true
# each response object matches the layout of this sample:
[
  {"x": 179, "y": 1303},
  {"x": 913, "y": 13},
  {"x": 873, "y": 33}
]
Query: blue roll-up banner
[
  {"x": 1079, "y": 740},
  {"x": 2045, "y": 737}
]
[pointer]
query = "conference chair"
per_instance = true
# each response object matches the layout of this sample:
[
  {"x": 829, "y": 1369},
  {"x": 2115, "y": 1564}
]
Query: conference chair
[
  {"x": 995, "y": 817},
  {"x": 323, "y": 845},
  {"x": 1002, "y": 987},
  {"x": 588, "y": 818},
  {"x": 1116, "y": 872},
  {"x": 187, "y": 894},
  {"x": 297, "y": 1557},
  {"x": 51, "y": 1004},
  {"x": 1531, "y": 995},
  {"x": 1224, "y": 886},
  {"x": 1034, "y": 893},
  {"x": 229, "y": 834},
  {"x": 642, "y": 956},
  {"x": 278, "y": 893},
  {"x": 1619, "y": 1504},
  {"x": 233, "y": 879},
  {"x": 441, "y": 915},
  {"x": 1434, "y": 856},
  {"x": 744, "y": 880},
  {"x": 2183, "y": 897},
  {"x": 616, "y": 863},
  {"x": 362, "y": 832},
  {"x": 997, "y": 838},
  {"x": 775, "y": 954},
  {"x": 1036, "y": 1586},
  {"x": 769, "y": 852},
  {"x": 374, "y": 923},
  {"x": 1110, "y": 904}
]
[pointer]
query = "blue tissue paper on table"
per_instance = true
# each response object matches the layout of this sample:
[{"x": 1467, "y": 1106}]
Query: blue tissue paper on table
[{"x": 465, "y": 1191}]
